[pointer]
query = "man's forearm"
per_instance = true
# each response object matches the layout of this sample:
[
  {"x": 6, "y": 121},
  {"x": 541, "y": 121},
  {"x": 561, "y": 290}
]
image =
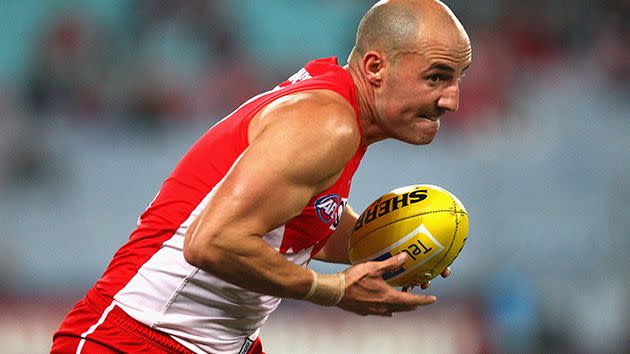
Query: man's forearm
[{"x": 249, "y": 262}]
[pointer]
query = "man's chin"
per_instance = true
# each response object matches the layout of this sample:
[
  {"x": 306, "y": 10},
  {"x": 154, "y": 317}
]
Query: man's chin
[
  {"x": 421, "y": 140},
  {"x": 427, "y": 133}
]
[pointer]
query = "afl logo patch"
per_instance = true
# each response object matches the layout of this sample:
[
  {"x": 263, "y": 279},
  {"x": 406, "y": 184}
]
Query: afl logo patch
[
  {"x": 329, "y": 209},
  {"x": 326, "y": 207}
]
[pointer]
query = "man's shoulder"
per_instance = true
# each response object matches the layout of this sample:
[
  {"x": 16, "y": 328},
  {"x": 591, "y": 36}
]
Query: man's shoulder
[
  {"x": 331, "y": 105},
  {"x": 321, "y": 112},
  {"x": 317, "y": 134}
]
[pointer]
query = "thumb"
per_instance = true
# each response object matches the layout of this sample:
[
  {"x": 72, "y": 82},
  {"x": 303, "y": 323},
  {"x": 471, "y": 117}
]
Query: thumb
[{"x": 393, "y": 263}]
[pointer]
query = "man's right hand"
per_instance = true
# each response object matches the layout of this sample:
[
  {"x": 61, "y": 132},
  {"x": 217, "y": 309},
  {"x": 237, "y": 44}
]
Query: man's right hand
[{"x": 368, "y": 294}]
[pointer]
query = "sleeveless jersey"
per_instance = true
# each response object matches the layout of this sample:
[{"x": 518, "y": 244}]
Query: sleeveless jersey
[{"x": 150, "y": 280}]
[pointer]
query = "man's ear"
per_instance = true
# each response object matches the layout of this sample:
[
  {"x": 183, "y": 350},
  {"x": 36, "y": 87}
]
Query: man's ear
[{"x": 373, "y": 65}]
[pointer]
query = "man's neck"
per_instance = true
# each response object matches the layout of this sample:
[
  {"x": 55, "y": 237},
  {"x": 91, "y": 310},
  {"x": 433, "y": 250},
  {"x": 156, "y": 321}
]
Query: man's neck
[{"x": 365, "y": 100}]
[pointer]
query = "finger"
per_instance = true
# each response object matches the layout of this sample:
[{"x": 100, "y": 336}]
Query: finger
[
  {"x": 412, "y": 300},
  {"x": 446, "y": 272},
  {"x": 384, "y": 313},
  {"x": 399, "y": 308},
  {"x": 409, "y": 288},
  {"x": 393, "y": 263},
  {"x": 410, "y": 305},
  {"x": 379, "y": 310}
]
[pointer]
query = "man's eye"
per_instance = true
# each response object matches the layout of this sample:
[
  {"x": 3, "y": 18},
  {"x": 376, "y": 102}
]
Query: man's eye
[{"x": 435, "y": 78}]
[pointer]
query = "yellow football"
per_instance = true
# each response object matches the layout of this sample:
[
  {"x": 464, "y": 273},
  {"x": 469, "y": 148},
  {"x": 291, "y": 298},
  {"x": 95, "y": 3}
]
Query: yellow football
[{"x": 427, "y": 222}]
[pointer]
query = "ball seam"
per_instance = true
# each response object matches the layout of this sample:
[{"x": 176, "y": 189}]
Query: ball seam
[{"x": 450, "y": 246}]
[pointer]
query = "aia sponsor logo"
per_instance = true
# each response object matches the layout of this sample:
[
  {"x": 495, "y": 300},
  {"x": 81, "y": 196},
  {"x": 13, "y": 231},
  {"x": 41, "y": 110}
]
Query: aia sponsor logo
[{"x": 329, "y": 209}]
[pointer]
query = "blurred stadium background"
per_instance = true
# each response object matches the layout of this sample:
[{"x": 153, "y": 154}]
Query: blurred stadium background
[{"x": 99, "y": 99}]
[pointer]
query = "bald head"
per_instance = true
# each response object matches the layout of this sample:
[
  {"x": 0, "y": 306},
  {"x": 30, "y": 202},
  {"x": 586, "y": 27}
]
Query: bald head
[{"x": 395, "y": 26}]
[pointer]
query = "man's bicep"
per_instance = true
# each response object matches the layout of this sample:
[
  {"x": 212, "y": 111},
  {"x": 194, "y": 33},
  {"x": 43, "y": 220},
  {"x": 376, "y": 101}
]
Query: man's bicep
[
  {"x": 276, "y": 176},
  {"x": 259, "y": 193}
]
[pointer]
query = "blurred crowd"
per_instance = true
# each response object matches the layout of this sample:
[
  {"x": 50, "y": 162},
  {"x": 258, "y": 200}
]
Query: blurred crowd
[
  {"x": 151, "y": 66},
  {"x": 187, "y": 60},
  {"x": 182, "y": 61},
  {"x": 166, "y": 60}
]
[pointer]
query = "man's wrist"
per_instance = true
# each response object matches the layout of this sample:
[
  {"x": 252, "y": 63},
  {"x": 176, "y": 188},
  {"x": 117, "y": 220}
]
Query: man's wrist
[{"x": 326, "y": 289}]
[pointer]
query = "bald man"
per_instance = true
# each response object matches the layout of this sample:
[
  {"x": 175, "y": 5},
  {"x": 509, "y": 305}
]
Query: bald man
[{"x": 265, "y": 190}]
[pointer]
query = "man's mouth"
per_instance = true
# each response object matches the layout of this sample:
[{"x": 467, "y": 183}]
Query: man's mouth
[{"x": 431, "y": 118}]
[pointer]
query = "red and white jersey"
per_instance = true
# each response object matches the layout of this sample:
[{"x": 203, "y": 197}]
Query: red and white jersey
[{"x": 150, "y": 280}]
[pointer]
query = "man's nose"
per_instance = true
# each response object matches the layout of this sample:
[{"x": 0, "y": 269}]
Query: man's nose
[{"x": 450, "y": 98}]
